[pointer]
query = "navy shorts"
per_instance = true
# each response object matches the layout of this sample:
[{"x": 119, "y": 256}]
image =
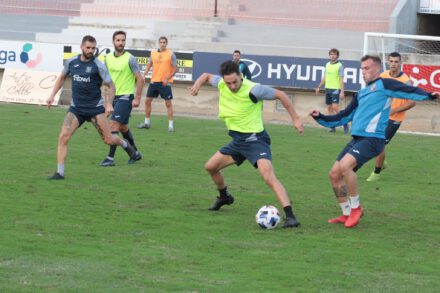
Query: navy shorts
[
  {"x": 391, "y": 130},
  {"x": 86, "y": 114},
  {"x": 332, "y": 96},
  {"x": 122, "y": 108},
  {"x": 363, "y": 149},
  {"x": 156, "y": 88},
  {"x": 250, "y": 146}
]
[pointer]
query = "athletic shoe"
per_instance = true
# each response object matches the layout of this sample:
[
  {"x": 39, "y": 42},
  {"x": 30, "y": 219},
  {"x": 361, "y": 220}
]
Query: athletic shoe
[
  {"x": 339, "y": 220},
  {"x": 346, "y": 128},
  {"x": 221, "y": 201},
  {"x": 170, "y": 129},
  {"x": 56, "y": 176},
  {"x": 107, "y": 163},
  {"x": 373, "y": 177},
  {"x": 137, "y": 158},
  {"x": 353, "y": 219},
  {"x": 291, "y": 223},
  {"x": 332, "y": 130},
  {"x": 143, "y": 126}
]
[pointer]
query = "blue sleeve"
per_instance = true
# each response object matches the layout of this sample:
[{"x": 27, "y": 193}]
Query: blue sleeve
[
  {"x": 246, "y": 72},
  {"x": 341, "y": 118},
  {"x": 215, "y": 80},
  {"x": 103, "y": 72},
  {"x": 134, "y": 65},
  {"x": 400, "y": 90},
  {"x": 66, "y": 68},
  {"x": 263, "y": 92}
]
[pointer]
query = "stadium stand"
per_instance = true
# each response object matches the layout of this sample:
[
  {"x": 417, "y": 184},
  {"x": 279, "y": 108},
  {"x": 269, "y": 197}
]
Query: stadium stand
[{"x": 285, "y": 26}]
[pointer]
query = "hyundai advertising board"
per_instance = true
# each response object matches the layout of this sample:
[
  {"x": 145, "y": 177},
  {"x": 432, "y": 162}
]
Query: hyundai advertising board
[{"x": 294, "y": 72}]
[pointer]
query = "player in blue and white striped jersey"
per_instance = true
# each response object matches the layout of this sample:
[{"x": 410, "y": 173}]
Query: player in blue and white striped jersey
[{"x": 369, "y": 112}]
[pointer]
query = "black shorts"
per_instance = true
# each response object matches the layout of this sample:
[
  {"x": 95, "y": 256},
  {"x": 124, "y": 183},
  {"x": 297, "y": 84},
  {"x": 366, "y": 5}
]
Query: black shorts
[
  {"x": 362, "y": 149},
  {"x": 122, "y": 108},
  {"x": 87, "y": 114},
  {"x": 250, "y": 146},
  {"x": 157, "y": 88},
  {"x": 391, "y": 130},
  {"x": 332, "y": 96}
]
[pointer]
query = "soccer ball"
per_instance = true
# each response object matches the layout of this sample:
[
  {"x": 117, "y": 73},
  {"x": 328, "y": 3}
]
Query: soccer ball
[{"x": 268, "y": 217}]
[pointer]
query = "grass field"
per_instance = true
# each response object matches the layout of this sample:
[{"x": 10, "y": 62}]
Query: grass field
[{"x": 146, "y": 227}]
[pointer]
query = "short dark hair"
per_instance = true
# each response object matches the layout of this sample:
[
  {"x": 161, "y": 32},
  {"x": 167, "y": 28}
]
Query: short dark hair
[
  {"x": 229, "y": 67},
  {"x": 395, "y": 54},
  {"x": 334, "y": 50},
  {"x": 375, "y": 58},
  {"x": 163, "y": 38},
  {"x": 119, "y": 33},
  {"x": 237, "y": 51},
  {"x": 88, "y": 38}
]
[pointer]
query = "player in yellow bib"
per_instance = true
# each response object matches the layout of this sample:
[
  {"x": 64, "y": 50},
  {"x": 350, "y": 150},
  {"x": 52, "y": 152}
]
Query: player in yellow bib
[
  {"x": 240, "y": 106},
  {"x": 397, "y": 112},
  {"x": 125, "y": 73}
]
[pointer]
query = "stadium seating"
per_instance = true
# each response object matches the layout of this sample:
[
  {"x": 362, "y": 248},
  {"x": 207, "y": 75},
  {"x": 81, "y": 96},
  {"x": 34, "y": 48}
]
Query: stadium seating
[{"x": 281, "y": 24}]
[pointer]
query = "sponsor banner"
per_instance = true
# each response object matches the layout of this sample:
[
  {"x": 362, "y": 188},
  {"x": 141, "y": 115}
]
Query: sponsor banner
[
  {"x": 28, "y": 86},
  {"x": 31, "y": 56},
  {"x": 423, "y": 76},
  {"x": 184, "y": 60},
  {"x": 305, "y": 73}
]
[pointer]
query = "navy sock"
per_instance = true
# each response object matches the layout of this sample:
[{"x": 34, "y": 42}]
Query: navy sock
[
  {"x": 129, "y": 137},
  {"x": 112, "y": 150}
]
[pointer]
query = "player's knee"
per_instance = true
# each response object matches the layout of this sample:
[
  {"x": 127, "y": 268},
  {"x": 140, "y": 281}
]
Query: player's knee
[
  {"x": 64, "y": 137},
  {"x": 334, "y": 174},
  {"x": 123, "y": 128}
]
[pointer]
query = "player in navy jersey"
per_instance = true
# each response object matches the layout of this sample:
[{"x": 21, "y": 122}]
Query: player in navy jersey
[
  {"x": 88, "y": 74},
  {"x": 369, "y": 112}
]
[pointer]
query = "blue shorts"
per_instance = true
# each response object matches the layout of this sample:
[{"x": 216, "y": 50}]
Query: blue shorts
[
  {"x": 122, "y": 108},
  {"x": 363, "y": 149},
  {"x": 156, "y": 88},
  {"x": 332, "y": 96},
  {"x": 391, "y": 130},
  {"x": 250, "y": 146},
  {"x": 86, "y": 114}
]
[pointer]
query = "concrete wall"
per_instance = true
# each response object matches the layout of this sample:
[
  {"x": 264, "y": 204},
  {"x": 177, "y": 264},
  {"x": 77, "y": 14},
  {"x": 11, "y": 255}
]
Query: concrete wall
[{"x": 404, "y": 20}]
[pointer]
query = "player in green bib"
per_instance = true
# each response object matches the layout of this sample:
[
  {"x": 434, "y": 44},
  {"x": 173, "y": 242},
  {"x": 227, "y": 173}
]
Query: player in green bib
[
  {"x": 334, "y": 85},
  {"x": 126, "y": 75},
  {"x": 240, "y": 106}
]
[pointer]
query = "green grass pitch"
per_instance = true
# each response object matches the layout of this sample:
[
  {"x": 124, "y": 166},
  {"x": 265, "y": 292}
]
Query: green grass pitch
[{"x": 146, "y": 228}]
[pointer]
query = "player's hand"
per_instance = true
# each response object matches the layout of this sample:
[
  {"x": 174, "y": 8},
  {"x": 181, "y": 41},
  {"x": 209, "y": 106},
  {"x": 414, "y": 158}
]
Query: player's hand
[
  {"x": 342, "y": 95},
  {"x": 165, "y": 82},
  {"x": 108, "y": 110},
  {"x": 317, "y": 90},
  {"x": 136, "y": 102},
  {"x": 193, "y": 90},
  {"x": 298, "y": 125},
  {"x": 49, "y": 102},
  {"x": 314, "y": 113}
]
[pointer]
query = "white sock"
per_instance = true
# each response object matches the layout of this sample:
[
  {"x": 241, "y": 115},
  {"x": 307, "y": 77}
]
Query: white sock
[
  {"x": 354, "y": 201},
  {"x": 345, "y": 207},
  {"x": 170, "y": 123},
  {"x": 110, "y": 158},
  {"x": 60, "y": 169},
  {"x": 147, "y": 120},
  {"x": 124, "y": 143}
]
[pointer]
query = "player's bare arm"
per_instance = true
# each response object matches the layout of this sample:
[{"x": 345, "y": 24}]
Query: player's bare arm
[
  {"x": 139, "y": 85},
  {"x": 109, "y": 97},
  {"x": 284, "y": 99},
  {"x": 58, "y": 85},
  {"x": 205, "y": 77}
]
